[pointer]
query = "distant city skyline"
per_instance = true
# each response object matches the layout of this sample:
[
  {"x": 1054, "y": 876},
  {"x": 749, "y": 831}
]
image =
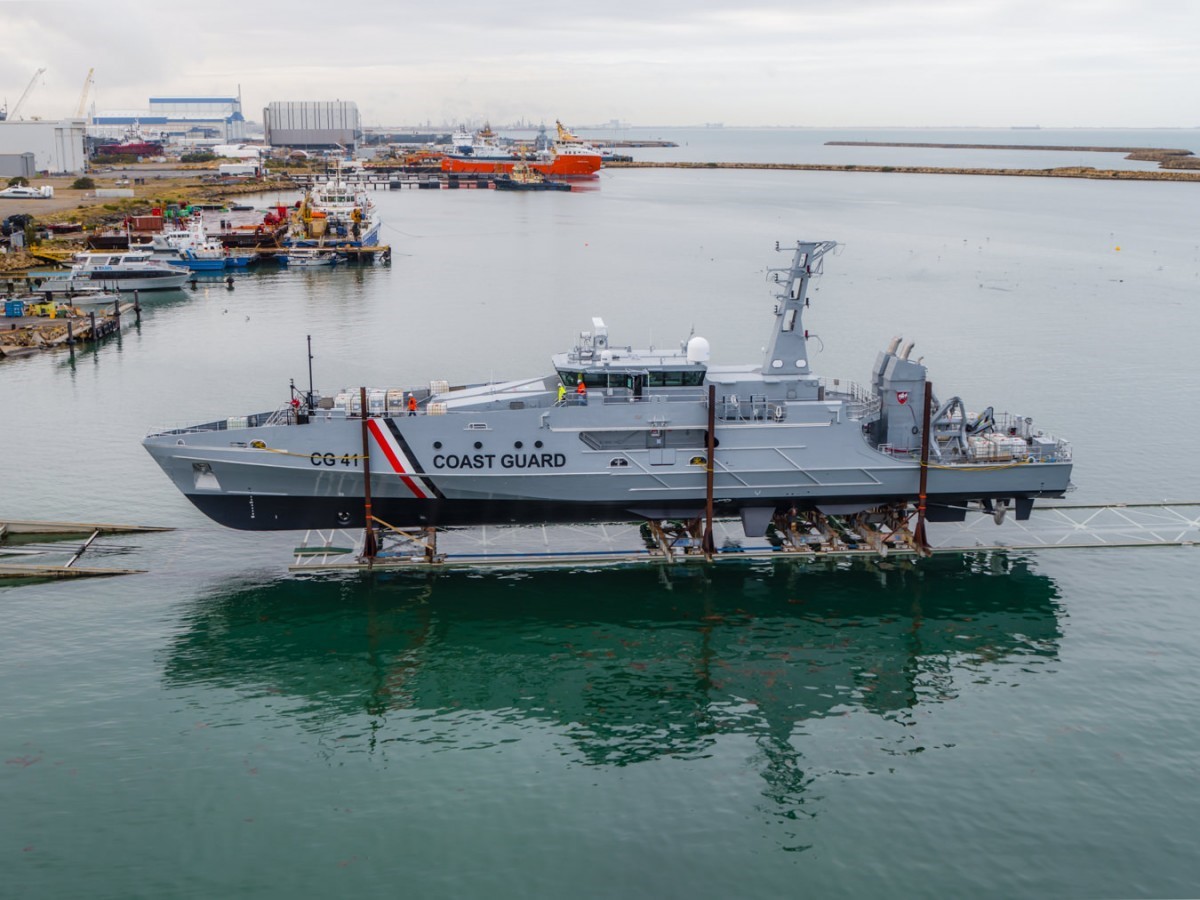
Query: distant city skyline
[{"x": 911, "y": 63}]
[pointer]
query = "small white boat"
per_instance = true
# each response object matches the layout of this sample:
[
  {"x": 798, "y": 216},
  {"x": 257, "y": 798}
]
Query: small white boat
[
  {"x": 306, "y": 257},
  {"x": 25, "y": 192}
]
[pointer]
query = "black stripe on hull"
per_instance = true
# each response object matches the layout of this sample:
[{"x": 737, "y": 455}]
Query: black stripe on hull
[
  {"x": 275, "y": 513},
  {"x": 412, "y": 457}
]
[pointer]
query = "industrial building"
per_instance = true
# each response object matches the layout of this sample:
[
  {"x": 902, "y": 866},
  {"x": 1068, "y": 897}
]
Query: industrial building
[
  {"x": 312, "y": 124},
  {"x": 188, "y": 119},
  {"x": 14, "y": 165},
  {"x": 57, "y": 147}
]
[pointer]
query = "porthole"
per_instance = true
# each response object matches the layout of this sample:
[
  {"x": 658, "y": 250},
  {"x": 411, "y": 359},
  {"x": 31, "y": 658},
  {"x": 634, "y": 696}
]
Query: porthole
[
  {"x": 518, "y": 444},
  {"x": 537, "y": 444},
  {"x": 479, "y": 445},
  {"x": 437, "y": 445}
]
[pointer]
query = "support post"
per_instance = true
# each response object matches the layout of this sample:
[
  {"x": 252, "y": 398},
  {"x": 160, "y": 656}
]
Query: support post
[
  {"x": 709, "y": 453},
  {"x": 92, "y": 320},
  {"x": 311, "y": 404},
  {"x": 711, "y": 442},
  {"x": 919, "y": 534},
  {"x": 117, "y": 311},
  {"x": 370, "y": 548},
  {"x": 137, "y": 309}
]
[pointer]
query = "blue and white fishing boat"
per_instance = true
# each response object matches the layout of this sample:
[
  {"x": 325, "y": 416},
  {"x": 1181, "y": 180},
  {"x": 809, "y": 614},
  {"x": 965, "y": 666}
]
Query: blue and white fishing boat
[{"x": 192, "y": 248}]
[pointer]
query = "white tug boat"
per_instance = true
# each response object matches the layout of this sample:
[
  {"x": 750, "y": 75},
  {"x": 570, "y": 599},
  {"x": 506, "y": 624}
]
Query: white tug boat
[{"x": 612, "y": 433}]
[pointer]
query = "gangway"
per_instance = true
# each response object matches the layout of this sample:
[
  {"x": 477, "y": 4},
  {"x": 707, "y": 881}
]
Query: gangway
[{"x": 1050, "y": 527}]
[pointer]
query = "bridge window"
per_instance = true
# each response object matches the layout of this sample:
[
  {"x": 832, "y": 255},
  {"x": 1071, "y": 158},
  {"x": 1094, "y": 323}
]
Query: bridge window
[{"x": 679, "y": 378}]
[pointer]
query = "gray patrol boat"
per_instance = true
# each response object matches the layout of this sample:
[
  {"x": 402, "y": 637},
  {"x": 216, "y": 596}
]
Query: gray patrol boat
[{"x": 652, "y": 435}]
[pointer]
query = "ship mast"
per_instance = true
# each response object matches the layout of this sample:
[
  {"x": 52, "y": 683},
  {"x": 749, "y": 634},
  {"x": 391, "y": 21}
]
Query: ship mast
[{"x": 787, "y": 351}]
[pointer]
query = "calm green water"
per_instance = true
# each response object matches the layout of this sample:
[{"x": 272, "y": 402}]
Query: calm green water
[{"x": 996, "y": 725}]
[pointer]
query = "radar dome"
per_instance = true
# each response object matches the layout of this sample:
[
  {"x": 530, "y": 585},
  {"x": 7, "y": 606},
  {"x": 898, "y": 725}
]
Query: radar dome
[{"x": 697, "y": 350}]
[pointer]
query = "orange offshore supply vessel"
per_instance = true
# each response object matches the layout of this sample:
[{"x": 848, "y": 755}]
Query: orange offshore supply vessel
[{"x": 567, "y": 165}]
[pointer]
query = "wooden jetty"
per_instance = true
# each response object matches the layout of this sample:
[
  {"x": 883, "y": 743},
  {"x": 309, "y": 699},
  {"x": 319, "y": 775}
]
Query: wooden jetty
[
  {"x": 36, "y": 544},
  {"x": 22, "y": 335},
  {"x": 354, "y": 254},
  {"x": 397, "y": 178}
]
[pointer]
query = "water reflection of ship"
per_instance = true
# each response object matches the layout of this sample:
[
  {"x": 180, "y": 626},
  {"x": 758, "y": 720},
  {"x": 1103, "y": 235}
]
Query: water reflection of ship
[{"x": 645, "y": 668}]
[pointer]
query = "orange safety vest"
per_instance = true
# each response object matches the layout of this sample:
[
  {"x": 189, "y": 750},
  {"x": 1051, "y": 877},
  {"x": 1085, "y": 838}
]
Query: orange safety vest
[
  {"x": 581, "y": 388},
  {"x": 412, "y": 403}
]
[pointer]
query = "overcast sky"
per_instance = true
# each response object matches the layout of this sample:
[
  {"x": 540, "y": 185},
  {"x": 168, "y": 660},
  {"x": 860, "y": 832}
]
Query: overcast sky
[{"x": 648, "y": 62}]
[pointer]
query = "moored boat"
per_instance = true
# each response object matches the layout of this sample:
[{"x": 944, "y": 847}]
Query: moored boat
[
  {"x": 336, "y": 211},
  {"x": 310, "y": 257},
  {"x": 482, "y": 154},
  {"x": 133, "y": 270},
  {"x": 618, "y": 434},
  {"x": 190, "y": 247},
  {"x": 555, "y": 163},
  {"x": 525, "y": 178}
]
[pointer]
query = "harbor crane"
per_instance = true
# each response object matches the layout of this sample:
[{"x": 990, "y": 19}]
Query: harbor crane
[
  {"x": 16, "y": 110},
  {"x": 83, "y": 96}
]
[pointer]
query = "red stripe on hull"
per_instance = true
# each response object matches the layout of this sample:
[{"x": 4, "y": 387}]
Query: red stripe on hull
[{"x": 394, "y": 460}]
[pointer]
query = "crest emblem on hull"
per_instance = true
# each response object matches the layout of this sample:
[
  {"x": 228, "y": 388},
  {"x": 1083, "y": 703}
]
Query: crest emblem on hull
[{"x": 901, "y": 397}]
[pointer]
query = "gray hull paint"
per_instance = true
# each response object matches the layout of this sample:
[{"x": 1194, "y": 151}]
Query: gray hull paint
[
  {"x": 515, "y": 452},
  {"x": 773, "y": 465}
]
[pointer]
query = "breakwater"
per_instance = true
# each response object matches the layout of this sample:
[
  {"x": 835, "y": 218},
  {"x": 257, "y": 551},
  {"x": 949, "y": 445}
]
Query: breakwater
[
  {"x": 1166, "y": 157},
  {"x": 1058, "y": 172}
]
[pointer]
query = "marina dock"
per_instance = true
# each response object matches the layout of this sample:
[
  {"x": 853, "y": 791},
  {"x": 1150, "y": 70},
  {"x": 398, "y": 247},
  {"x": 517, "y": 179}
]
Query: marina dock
[
  {"x": 25, "y": 334},
  {"x": 396, "y": 178},
  {"x": 33, "y": 550}
]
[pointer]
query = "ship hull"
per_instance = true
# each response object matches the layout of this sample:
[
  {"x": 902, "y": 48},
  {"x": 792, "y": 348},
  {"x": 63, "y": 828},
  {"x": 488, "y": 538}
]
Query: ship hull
[
  {"x": 107, "y": 281},
  {"x": 276, "y": 513},
  {"x": 563, "y": 166},
  {"x": 135, "y": 149},
  {"x": 508, "y": 467}
]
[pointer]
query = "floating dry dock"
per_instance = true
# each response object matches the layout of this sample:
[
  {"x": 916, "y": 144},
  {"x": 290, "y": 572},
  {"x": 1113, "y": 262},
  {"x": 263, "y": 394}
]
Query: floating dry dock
[
  {"x": 30, "y": 549},
  {"x": 516, "y": 547}
]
